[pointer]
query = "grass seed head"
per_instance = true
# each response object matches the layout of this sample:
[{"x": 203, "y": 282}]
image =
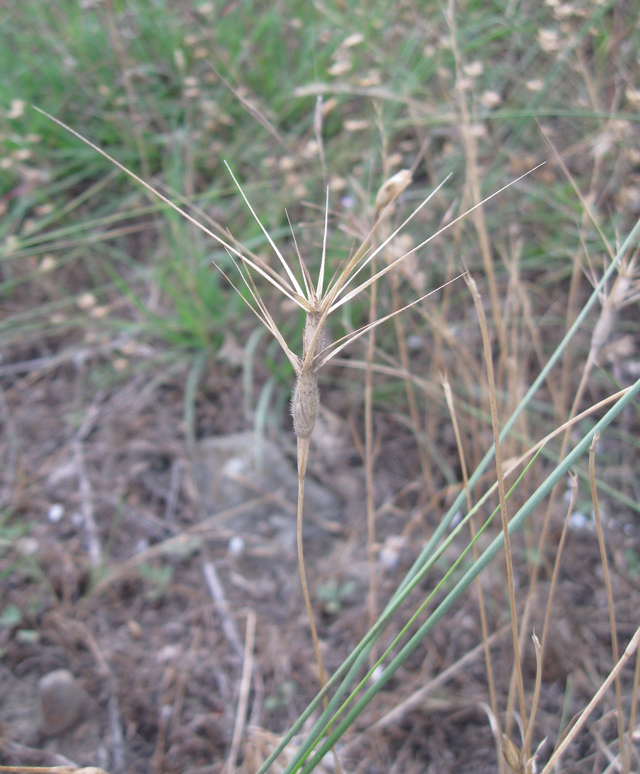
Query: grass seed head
[
  {"x": 305, "y": 404},
  {"x": 306, "y": 396},
  {"x": 391, "y": 189}
]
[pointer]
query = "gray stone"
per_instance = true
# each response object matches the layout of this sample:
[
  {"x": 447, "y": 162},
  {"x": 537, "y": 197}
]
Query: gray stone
[
  {"x": 233, "y": 469},
  {"x": 63, "y": 701}
]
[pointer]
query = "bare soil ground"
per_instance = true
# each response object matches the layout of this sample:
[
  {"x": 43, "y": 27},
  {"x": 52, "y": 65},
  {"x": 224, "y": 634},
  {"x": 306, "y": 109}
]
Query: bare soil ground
[{"x": 103, "y": 567}]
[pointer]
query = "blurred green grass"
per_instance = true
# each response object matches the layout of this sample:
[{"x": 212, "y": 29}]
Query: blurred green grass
[{"x": 172, "y": 89}]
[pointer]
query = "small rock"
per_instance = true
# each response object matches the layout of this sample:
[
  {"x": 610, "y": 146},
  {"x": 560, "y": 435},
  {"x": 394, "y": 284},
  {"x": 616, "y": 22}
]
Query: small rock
[
  {"x": 236, "y": 546},
  {"x": 232, "y": 469},
  {"x": 62, "y": 701},
  {"x": 55, "y": 513}
]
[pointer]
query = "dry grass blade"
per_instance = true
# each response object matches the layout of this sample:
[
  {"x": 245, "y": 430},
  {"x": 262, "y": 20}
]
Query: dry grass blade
[
  {"x": 632, "y": 716},
  {"x": 534, "y": 703}
]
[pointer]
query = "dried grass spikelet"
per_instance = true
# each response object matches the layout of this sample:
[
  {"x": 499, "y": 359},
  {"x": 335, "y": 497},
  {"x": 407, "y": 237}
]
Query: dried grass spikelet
[
  {"x": 305, "y": 403},
  {"x": 391, "y": 189},
  {"x": 624, "y": 291}
]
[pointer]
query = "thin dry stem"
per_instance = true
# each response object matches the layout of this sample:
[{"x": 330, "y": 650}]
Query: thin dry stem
[
  {"x": 303, "y": 452},
  {"x": 607, "y": 581},
  {"x": 501, "y": 492},
  {"x": 473, "y": 182},
  {"x": 483, "y": 617},
  {"x": 534, "y": 335},
  {"x": 386, "y": 196},
  {"x": 250, "y": 107},
  {"x": 565, "y": 384},
  {"x": 584, "y": 200},
  {"x": 626, "y": 761},
  {"x": 536, "y": 694},
  {"x": 556, "y": 565},
  {"x": 616, "y": 298},
  {"x": 368, "y": 466}
]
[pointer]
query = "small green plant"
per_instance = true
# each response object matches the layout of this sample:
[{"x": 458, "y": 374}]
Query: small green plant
[
  {"x": 158, "y": 579},
  {"x": 335, "y": 595}
]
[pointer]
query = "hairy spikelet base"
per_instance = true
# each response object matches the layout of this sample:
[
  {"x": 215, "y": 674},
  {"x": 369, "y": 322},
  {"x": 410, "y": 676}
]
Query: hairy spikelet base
[{"x": 306, "y": 396}]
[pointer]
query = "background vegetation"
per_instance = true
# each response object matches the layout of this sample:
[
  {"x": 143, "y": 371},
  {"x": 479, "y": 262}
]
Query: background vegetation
[{"x": 122, "y": 348}]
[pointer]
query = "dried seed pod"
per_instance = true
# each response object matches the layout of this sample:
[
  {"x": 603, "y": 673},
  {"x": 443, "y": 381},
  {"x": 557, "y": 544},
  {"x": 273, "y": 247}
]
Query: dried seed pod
[
  {"x": 306, "y": 397},
  {"x": 305, "y": 404},
  {"x": 391, "y": 189}
]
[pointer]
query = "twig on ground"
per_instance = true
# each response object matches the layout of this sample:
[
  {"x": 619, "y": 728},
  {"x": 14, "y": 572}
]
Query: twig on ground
[
  {"x": 84, "y": 485},
  {"x": 115, "y": 730},
  {"x": 174, "y": 489},
  {"x": 222, "y": 608},
  {"x": 10, "y": 462},
  {"x": 245, "y": 685}
]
